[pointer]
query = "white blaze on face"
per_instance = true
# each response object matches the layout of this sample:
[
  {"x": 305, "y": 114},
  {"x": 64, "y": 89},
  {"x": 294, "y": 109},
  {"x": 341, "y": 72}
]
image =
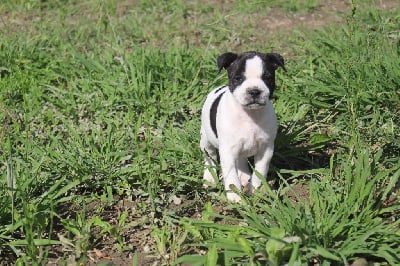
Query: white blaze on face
[
  {"x": 253, "y": 79},
  {"x": 254, "y": 68}
]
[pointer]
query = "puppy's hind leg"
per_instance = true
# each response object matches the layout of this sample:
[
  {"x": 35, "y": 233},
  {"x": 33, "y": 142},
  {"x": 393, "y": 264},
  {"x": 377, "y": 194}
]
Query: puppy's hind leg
[
  {"x": 262, "y": 162},
  {"x": 243, "y": 171},
  {"x": 210, "y": 171},
  {"x": 210, "y": 158}
]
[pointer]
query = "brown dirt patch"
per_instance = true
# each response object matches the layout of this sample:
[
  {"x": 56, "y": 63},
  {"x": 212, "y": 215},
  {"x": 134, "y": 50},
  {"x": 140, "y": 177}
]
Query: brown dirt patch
[
  {"x": 300, "y": 193},
  {"x": 326, "y": 13}
]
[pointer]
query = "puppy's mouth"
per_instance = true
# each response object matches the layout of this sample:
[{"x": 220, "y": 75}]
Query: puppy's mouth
[{"x": 254, "y": 105}]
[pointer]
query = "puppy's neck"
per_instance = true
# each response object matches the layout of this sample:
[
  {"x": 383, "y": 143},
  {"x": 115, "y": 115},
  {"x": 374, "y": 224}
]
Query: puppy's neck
[{"x": 254, "y": 114}]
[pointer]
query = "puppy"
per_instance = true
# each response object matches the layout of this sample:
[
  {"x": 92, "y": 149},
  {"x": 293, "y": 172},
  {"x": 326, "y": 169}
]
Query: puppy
[{"x": 238, "y": 121}]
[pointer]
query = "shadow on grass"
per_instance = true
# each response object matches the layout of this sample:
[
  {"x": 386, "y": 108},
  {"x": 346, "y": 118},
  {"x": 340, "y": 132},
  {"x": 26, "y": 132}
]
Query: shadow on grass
[{"x": 297, "y": 151}]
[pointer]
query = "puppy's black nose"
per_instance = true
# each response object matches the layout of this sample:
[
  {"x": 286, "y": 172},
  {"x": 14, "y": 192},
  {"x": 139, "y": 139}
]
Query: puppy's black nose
[{"x": 254, "y": 92}]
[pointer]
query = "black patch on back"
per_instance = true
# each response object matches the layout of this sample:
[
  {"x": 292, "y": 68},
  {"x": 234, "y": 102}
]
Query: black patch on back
[
  {"x": 219, "y": 89},
  {"x": 213, "y": 114}
]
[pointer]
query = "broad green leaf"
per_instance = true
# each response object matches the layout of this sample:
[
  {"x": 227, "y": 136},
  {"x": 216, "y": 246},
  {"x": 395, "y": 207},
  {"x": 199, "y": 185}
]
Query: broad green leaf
[
  {"x": 323, "y": 252},
  {"x": 212, "y": 256},
  {"x": 37, "y": 242}
]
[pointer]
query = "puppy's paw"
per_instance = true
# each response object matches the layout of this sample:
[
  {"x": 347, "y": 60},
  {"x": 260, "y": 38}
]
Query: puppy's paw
[
  {"x": 252, "y": 186},
  {"x": 232, "y": 196},
  {"x": 255, "y": 183},
  {"x": 244, "y": 179}
]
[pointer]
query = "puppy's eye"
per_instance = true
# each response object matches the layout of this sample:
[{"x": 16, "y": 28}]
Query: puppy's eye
[
  {"x": 238, "y": 79},
  {"x": 266, "y": 75}
]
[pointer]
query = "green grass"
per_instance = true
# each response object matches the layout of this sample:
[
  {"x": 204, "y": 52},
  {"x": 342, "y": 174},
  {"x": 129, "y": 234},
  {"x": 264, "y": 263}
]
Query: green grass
[{"x": 99, "y": 111}]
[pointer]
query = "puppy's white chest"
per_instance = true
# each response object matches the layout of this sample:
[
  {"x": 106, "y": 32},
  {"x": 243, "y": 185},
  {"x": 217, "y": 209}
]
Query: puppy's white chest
[
  {"x": 247, "y": 132},
  {"x": 250, "y": 139}
]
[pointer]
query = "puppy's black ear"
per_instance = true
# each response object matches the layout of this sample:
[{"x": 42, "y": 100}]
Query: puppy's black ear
[
  {"x": 225, "y": 60},
  {"x": 276, "y": 60}
]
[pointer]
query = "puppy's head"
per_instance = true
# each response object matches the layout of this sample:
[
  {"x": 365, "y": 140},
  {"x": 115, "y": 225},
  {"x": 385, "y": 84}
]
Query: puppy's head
[{"x": 251, "y": 76}]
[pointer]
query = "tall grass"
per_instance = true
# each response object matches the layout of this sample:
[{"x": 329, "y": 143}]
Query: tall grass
[{"x": 99, "y": 137}]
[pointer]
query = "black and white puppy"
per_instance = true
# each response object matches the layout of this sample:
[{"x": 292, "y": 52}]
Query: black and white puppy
[{"x": 238, "y": 121}]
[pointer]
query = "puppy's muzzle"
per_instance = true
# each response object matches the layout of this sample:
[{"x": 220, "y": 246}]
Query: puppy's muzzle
[{"x": 254, "y": 92}]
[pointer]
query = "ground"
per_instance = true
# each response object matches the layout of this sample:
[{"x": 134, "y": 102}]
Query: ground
[{"x": 138, "y": 236}]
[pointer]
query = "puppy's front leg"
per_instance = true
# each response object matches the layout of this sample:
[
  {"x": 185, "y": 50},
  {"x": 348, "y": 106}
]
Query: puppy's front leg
[
  {"x": 261, "y": 163},
  {"x": 230, "y": 174}
]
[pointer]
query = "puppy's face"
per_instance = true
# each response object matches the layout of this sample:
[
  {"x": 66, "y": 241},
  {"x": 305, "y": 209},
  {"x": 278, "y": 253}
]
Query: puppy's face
[{"x": 251, "y": 76}]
